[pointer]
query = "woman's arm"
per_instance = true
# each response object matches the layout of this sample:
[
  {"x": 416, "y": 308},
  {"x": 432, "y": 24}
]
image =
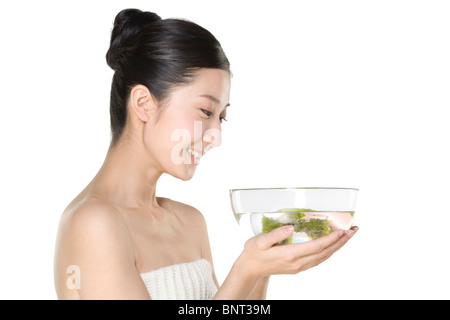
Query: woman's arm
[
  {"x": 232, "y": 288},
  {"x": 259, "y": 292}
]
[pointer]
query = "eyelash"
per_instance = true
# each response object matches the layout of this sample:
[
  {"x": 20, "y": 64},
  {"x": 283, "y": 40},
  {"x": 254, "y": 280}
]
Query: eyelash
[{"x": 209, "y": 113}]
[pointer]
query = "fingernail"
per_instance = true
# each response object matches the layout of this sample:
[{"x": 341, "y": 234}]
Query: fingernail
[{"x": 288, "y": 229}]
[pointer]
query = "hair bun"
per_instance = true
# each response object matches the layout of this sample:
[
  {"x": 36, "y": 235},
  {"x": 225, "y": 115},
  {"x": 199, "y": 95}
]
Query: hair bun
[{"x": 127, "y": 25}]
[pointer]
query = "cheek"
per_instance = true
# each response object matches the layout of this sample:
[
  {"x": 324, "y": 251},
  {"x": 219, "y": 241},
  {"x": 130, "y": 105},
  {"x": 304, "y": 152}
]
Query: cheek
[
  {"x": 168, "y": 142},
  {"x": 181, "y": 140},
  {"x": 186, "y": 132}
]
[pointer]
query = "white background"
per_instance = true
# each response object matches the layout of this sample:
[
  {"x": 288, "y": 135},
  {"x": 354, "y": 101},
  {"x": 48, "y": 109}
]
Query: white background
[{"x": 324, "y": 93}]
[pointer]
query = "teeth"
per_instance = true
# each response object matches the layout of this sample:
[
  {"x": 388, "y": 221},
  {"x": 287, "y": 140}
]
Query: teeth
[{"x": 194, "y": 153}]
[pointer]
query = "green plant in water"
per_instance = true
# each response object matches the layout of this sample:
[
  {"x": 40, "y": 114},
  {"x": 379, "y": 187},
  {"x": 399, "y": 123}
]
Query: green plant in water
[{"x": 314, "y": 228}]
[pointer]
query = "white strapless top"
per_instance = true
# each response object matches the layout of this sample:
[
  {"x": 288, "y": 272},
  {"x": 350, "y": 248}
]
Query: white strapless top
[{"x": 184, "y": 281}]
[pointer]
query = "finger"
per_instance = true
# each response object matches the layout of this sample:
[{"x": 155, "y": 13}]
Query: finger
[
  {"x": 268, "y": 240},
  {"x": 319, "y": 257}
]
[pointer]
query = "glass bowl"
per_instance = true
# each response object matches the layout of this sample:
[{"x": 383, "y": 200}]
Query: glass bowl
[{"x": 314, "y": 212}]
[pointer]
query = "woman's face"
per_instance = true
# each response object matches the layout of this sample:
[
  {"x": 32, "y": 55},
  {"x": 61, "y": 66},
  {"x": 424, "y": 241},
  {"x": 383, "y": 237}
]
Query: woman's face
[{"x": 190, "y": 123}]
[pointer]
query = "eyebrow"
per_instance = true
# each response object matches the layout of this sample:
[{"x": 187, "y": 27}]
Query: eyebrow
[{"x": 207, "y": 96}]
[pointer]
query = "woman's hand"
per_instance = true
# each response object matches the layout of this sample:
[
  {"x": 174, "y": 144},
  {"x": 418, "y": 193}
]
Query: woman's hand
[{"x": 262, "y": 257}]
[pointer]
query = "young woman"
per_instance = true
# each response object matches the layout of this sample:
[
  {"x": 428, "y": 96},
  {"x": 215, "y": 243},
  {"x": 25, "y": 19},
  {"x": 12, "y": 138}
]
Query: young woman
[{"x": 116, "y": 239}]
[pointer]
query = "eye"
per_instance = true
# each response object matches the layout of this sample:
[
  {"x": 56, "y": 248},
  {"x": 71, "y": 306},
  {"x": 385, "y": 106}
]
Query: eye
[{"x": 208, "y": 113}]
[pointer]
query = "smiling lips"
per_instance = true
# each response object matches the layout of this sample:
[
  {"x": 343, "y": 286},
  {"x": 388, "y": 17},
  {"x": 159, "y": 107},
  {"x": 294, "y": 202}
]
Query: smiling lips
[{"x": 196, "y": 155}]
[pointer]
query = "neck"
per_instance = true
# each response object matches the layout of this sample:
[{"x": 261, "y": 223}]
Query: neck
[{"x": 128, "y": 176}]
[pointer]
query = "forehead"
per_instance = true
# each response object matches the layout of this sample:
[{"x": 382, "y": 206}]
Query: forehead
[{"x": 207, "y": 82}]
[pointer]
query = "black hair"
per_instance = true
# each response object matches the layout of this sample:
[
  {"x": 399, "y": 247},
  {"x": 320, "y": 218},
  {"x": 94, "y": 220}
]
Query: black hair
[{"x": 159, "y": 54}]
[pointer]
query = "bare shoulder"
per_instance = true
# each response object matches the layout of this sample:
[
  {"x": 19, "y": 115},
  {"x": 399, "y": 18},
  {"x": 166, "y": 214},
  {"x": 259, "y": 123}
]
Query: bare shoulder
[
  {"x": 91, "y": 217},
  {"x": 93, "y": 236},
  {"x": 183, "y": 210}
]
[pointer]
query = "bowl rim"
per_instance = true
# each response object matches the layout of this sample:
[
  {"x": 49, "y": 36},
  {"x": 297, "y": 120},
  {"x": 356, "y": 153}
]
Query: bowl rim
[{"x": 294, "y": 188}]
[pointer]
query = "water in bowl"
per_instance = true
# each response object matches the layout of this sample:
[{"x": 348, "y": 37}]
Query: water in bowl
[{"x": 308, "y": 224}]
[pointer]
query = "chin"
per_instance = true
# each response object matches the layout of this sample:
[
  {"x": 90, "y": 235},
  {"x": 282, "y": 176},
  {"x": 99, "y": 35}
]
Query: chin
[{"x": 184, "y": 174}]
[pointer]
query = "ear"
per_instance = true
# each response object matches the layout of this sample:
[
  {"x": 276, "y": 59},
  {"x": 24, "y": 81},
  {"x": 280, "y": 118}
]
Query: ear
[{"x": 141, "y": 102}]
